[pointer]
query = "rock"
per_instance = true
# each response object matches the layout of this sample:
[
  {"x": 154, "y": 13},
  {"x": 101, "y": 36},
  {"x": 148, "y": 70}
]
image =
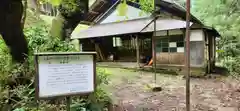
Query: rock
[{"x": 155, "y": 87}]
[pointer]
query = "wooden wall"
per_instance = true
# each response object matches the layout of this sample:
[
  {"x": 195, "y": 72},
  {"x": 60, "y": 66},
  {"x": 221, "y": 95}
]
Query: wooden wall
[
  {"x": 165, "y": 54},
  {"x": 170, "y": 58},
  {"x": 211, "y": 50},
  {"x": 197, "y": 53},
  {"x": 173, "y": 57},
  {"x": 197, "y": 48}
]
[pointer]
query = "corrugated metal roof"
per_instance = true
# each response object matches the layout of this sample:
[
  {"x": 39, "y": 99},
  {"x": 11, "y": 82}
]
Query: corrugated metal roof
[
  {"x": 110, "y": 29},
  {"x": 166, "y": 24},
  {"x": 131, "y": 26}
]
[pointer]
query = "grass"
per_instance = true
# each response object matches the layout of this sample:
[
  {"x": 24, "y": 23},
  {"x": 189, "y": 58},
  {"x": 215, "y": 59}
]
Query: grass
[
  {"x": 117, "y": 75},
  {"x": 121, "y": 76},
  {"x": 117, "y": 78},
  {"x": 125, "y": 78}
]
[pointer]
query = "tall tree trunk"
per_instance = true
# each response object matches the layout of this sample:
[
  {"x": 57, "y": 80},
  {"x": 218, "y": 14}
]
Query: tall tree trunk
[
  {"x": 11, "y": 28},
  {"x": 70, "y": 24}
]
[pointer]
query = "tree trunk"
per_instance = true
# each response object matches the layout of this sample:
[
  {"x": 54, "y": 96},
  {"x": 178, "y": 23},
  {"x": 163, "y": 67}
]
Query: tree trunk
[
  {"x": 11, "y": 28},
  {"x": 70, "y": 24},
  {"x": 69, "y": 19}
]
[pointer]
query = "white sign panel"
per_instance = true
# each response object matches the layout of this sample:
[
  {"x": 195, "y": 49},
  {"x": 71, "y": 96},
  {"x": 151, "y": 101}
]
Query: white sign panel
[
  {"x": 61, "y": 75},
  {"x": 196, "y": 35}
]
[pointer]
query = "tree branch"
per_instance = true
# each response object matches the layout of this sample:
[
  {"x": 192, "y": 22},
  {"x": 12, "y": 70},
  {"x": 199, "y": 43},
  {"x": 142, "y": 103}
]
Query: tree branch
[{"x": 25, "y": 3}]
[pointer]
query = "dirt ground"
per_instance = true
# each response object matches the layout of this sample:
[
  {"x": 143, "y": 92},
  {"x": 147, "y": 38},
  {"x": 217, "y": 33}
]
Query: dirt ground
[{"x": 130, "y": 91}]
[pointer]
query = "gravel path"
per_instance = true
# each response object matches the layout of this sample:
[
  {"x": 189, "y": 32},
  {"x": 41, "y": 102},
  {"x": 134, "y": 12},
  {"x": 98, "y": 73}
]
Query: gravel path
[{"x": 132, "y": 93}]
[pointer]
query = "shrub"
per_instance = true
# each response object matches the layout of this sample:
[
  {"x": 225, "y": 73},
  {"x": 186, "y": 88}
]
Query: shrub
[
  {"x": 233, "y": 65},
  {"x": 17, "y": 80}
]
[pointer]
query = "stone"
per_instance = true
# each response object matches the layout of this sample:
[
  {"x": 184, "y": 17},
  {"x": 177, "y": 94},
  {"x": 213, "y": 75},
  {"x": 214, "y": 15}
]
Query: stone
[{"x": 155, "y": 87}]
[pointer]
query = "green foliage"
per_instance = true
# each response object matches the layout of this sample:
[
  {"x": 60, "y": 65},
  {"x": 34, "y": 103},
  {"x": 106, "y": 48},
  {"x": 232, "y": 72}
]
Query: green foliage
[
  {"x": 17, "y": 80},
  {"x": 233, "y": 65},
  {"x": 72, "y": 7},
  {"x": 224, "y": 16},
  {"x": 55, "y": 2},
  {"x": 69, "y": 7},
  {"x": 122, "y": 8},
  {"x": 145, "y": 5},
  {"x": 39, "y": 40}
]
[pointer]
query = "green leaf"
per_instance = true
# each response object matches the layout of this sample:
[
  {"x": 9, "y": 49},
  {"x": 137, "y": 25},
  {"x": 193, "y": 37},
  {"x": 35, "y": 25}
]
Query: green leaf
[
  {"x": 140, "y": 13},
  {"x": 19, "y": 109},
  {"x": 219, "y": 51},
  {"x": 122, "y": 8}
]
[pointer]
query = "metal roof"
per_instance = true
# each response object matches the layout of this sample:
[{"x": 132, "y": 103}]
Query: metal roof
[
  {"x": 110, "y": 29},
  {"x": 166, "y": 24},
  {"x": 127, "y": 27},
  {"x": 171, "y": 6}
]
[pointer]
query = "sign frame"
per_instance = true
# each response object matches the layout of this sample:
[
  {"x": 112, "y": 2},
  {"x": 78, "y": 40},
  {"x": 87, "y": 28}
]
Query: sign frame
[{"x": 36, "y": 62}]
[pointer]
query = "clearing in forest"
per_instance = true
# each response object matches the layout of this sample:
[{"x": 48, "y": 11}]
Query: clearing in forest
[{"x": 129, "y": 90}]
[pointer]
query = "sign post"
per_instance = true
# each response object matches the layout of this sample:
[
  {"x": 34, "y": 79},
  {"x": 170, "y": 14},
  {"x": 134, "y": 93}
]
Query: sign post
[{"x": 65, "y": 74}]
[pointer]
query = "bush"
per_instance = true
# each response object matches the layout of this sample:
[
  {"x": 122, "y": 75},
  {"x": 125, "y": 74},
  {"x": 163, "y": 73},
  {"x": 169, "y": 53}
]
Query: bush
[
  {"x": 230, "y": 55},
  {"x": 233, "y": 65},
  {"x": 17, "y": 80}
]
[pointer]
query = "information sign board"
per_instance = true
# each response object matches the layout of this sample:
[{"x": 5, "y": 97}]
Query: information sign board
[{"x": 65, "y": 74}]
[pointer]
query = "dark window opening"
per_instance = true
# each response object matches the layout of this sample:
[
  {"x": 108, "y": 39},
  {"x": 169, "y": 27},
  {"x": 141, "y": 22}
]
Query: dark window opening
[{"x": 170, "y": 43}]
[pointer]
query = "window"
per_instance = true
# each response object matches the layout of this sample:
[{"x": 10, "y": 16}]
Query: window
[
  {"x": 174, "y": 43},
  {"x": 173, "y": 49}
]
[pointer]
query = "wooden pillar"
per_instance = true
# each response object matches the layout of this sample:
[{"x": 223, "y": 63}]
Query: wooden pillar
[
  {"x": 206, "y": 51},
  {"x": 154, "y": 42},
  {"x": 137, "y": 51},
  {"x": 214, "y": 51},
  {"x": 187, "y": 60},
  {"x": 209, "y": 53},
  {"x": 169, "y": 61},
  {"x": 154, "y": 51}
]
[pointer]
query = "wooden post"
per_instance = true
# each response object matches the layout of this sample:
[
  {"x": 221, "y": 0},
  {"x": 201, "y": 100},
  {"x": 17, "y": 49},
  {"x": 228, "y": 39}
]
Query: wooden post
[
  {"x": 214, "y": 52},
  {"x": 154, "y": 44},
  {"x": 115, "y": 41},
  {"x": 137, "y": 51},
  {"x": 187, "y": 59},
  {"x": 68, "y": 103}
]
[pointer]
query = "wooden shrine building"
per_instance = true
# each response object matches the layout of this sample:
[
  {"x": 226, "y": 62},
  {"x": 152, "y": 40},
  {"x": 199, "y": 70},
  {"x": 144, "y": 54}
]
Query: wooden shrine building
[{"x": 129, "y": 38}]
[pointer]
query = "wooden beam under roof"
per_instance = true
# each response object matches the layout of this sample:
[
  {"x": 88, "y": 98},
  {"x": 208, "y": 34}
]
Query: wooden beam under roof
[
  {"x": 87, "y": 22},
  {"x": 97, "y": 9},
  {"x": 105, "y": 1},
  {"x": 96, "y": 3}
]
